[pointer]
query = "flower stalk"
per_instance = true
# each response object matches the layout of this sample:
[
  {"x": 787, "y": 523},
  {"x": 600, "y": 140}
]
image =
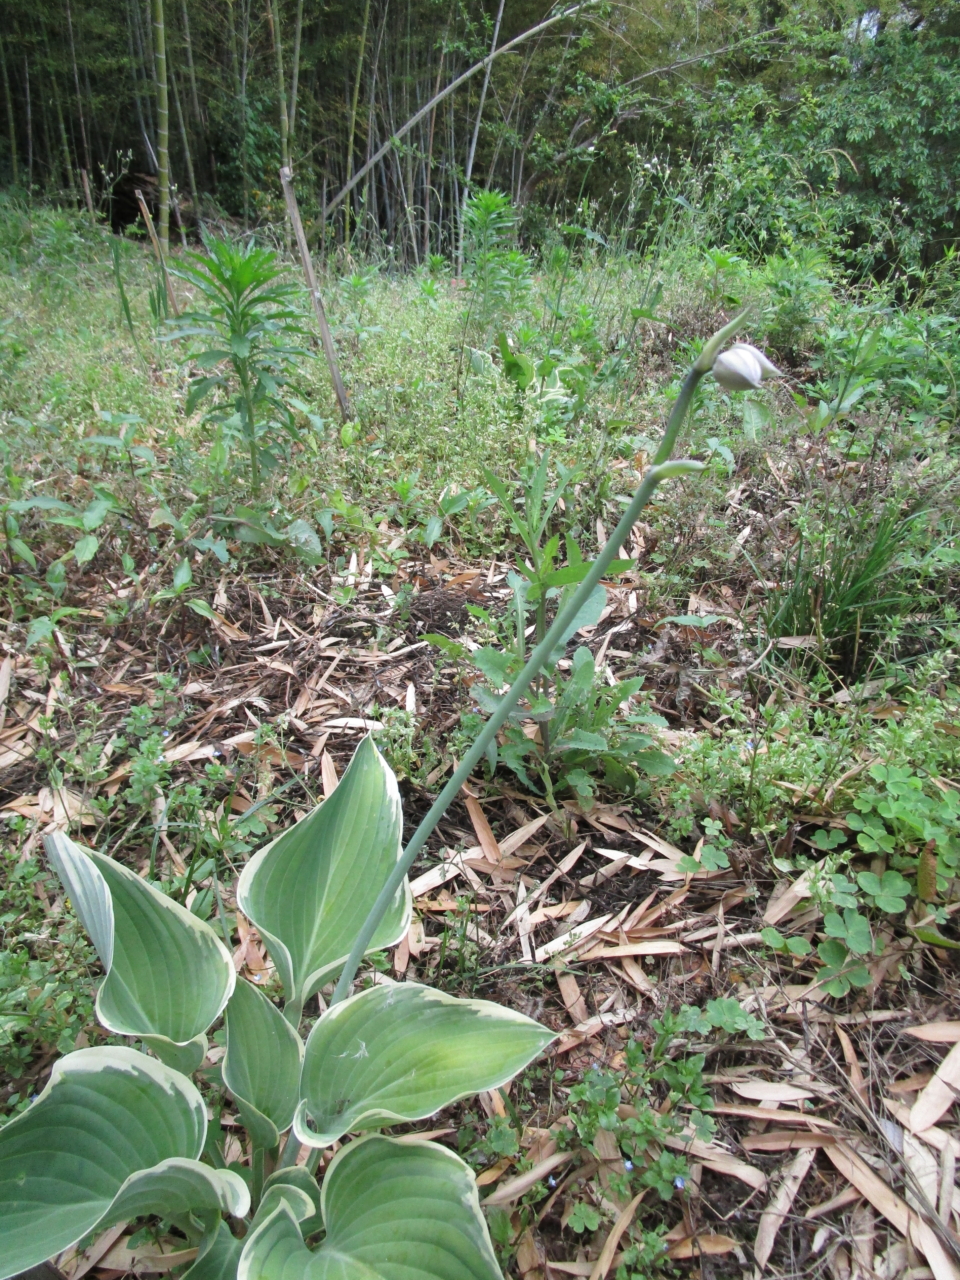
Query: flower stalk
[{"x": 662, "y": 469}]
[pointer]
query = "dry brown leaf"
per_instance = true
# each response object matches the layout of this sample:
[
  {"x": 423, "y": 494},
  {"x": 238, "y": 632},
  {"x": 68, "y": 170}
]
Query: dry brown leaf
[
  {"x": 74, "y": 1263},
  {"x": 720, "y": 1161},
  {"x": 635, "y": 976},
  {"x": 895, "y": 1210},
  {"x": 593, "y": 1026},
  {"x": 151, "y": 1258},
  {"x": 849, "y": 1195},
  {"x": 785, "y": 1140},
  {"x": 576, "y": 935},
  {"x": 523, "y": 1182},
  {"x": 6, "y": 671},
  {"x": 566, "y": 865},
  {"x": 936, "y": 1032},
  {"x": 769, "y": 1091},
  {"x": 863, "y": 1230},
  {"x": 650, "y": 947},
  {"x": 781, "y": 1116},
  {"x": 573, "y": 1000},
  {"x": 937, "y": 1138},
  {"x": 708, "y": 1244},
  {"x": 516, "y": 839},
  {"x": 328, "y": 775},
  {"x": 529, "y": 1255},
  {"x": 604, "y": 1262},
  {"x": 791, "y": 897},
  {"x": 773, "y": 1215},
  {"x": 488, "y": 841},
  {"x": 871, "y": 1186},
  {"x": 939, "y": 1095},
  {"x": 850, "y": 1054},
  {"x": 911, "y": 1084},
  {"x": 494, "y": 1173}
]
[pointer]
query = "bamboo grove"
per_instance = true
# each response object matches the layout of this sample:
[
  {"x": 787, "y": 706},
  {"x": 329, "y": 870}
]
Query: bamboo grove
[{"x": 391, "y": 111}]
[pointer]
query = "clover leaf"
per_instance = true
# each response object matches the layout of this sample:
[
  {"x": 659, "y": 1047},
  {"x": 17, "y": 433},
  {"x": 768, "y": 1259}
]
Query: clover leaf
[{"x": 888, "y": 892}]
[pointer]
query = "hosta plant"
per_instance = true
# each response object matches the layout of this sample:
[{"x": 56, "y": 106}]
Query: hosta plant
[{"x": 121, "y": 1133}]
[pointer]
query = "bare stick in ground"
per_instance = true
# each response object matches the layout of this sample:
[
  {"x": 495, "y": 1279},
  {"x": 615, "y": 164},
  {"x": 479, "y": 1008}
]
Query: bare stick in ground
[
  {"x": 145, "y": 213},
  {"x": 293, "y": 211}
]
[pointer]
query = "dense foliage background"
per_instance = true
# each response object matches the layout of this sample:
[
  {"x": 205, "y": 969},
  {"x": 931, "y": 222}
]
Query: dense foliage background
[{"x": 831, "y": 119}]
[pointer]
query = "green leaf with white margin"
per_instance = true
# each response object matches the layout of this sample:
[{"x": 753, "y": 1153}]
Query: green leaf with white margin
[
  {"x": 309, "y": 891},
  {"x": 394, "y": 1210},
  {"x": 114, "y": 1134},
  {"x": 262, "y": 1064},
  {"x": 401, "y": 1051},
  {"x": 168, "y": 974},
  {"x": 219, "y": 1253},
  {"x": 218, "y": 1256}
]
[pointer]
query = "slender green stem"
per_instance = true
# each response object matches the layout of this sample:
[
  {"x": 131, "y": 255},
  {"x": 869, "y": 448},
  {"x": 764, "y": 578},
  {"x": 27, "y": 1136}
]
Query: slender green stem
[
  {"x": 256, "y": 1166},
  {"x": 659, "y": 471},
  {"x": 293, "y": 1012},
  {"x": 291, "y": 1150},
  {"x": 476, "y": 753}
]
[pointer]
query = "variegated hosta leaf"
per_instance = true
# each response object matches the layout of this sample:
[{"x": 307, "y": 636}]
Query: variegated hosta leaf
[
  {"x": 218, "y": 1256},
  {"x": 219, "y": 1253},
  {"x": 393, "y": 1211},
  {"x": 168, "y": 974},
  {"x": 114, "y": 1134},
  {"x": 262, "y": 1064},
  {"x": 310, "y": 890},
  {"x": 401, "y": 1051}
]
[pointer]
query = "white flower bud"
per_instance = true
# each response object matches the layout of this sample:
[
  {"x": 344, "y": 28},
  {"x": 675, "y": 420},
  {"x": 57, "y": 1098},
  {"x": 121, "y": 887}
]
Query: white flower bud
[{"x": 741, "y": 367}]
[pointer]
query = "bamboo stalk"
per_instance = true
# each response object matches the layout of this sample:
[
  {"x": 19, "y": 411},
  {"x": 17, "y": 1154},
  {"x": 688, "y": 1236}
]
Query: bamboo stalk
[
  {"x": 163, "y": 126},
  {"x": 326, "y": 337},
  {"x": 472, "y": 151},
  {"x": 351, "y": 132},
  {"x": 145, "y": 212},
  {"x": 76, "y": 85},
  {"x": 295, "y": 74},
  {"x": 11, "y": 119},
  {"x": 185, "y": 140},
  {"x": 444, "y": 93}
]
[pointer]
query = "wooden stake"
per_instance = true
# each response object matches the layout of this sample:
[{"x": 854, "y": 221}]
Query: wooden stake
[
  {"x": 286, "y": 180},
  {"x": 145, "y": 212},
  {"x": 87, "y": 196}
]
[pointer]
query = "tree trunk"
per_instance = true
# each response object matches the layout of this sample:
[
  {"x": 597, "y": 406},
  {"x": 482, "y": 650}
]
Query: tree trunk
[
  {"x": 471, "y": 153},
  {"x": 26, "y": 85},
  {"x": 184, "y": 138},
  {"x": 273, "y": 17},
  {"x": 191, "y": 71},
  {"x": 11, "y": 120},
  {"x": 353, "y": 118},
  {"x": 295, "y": 75},
  {"x": 428, "y": 179},
  {"x": 76, "y": 85},
  {"x": 163, "y": 125}
]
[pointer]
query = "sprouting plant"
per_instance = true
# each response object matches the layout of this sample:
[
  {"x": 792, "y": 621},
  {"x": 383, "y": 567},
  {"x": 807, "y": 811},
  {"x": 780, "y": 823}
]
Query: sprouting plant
[
  {"x": 499, "y": 274},
  {"x": 580, "y": 729},
  {"x": 245, "y": 326}
]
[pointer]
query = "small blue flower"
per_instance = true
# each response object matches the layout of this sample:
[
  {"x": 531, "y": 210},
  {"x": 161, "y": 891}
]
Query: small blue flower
[
  {"x": 679, "y": 1182},
  {"x": 628, "y": 1165},
  {"x": 551, "y": 1181}
]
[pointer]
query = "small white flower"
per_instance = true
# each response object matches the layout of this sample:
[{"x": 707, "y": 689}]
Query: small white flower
[{"x": 741, "y": 367}]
